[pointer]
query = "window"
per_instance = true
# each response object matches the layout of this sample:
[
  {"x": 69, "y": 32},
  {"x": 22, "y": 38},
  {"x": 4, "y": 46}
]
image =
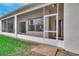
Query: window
[
  {"x": 31, "y": 28},
  {"x": 39, "y": 27},
  {"x": 35, "y": 24},
  {"x": 22, "y": 27}
]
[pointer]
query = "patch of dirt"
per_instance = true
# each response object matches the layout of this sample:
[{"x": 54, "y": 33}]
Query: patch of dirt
[{"x": 65, "y": 53}]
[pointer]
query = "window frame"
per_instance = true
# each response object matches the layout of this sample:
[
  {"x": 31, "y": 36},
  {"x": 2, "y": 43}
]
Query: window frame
[{"x": 35, "y": 24}]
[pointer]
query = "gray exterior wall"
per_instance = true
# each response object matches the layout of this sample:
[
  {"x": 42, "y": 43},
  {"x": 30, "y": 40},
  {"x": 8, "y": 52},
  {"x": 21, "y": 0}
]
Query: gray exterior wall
[{"x": 71, "y": 27}]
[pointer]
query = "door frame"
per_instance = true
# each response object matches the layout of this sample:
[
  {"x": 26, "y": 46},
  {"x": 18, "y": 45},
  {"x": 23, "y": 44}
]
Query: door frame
[{"x": 56, "y": 31}]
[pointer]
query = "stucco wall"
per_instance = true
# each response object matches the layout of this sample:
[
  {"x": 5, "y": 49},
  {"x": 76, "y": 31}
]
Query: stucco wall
[{"x": 71, "y": 27}]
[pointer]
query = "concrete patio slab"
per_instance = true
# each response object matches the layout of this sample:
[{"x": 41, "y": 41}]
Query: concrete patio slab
[{"x": 45, "y": 50}]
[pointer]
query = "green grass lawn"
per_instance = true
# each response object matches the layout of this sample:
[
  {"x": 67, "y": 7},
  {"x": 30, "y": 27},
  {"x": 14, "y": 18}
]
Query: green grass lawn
[{"x": 13, "y": 47}]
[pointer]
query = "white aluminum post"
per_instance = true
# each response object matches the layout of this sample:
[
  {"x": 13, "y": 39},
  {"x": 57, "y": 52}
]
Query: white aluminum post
[
  {"x": 26, "y": 26},
  {"x": 44, "y": 22},
  {"x": 57, "y": 23},
  {"x": 15, "y": 25}
]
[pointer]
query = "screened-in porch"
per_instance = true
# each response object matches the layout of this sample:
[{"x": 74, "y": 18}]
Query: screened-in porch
[
  {"x": 45, "y": 23},
  {"x": 42, "y": 22}
]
